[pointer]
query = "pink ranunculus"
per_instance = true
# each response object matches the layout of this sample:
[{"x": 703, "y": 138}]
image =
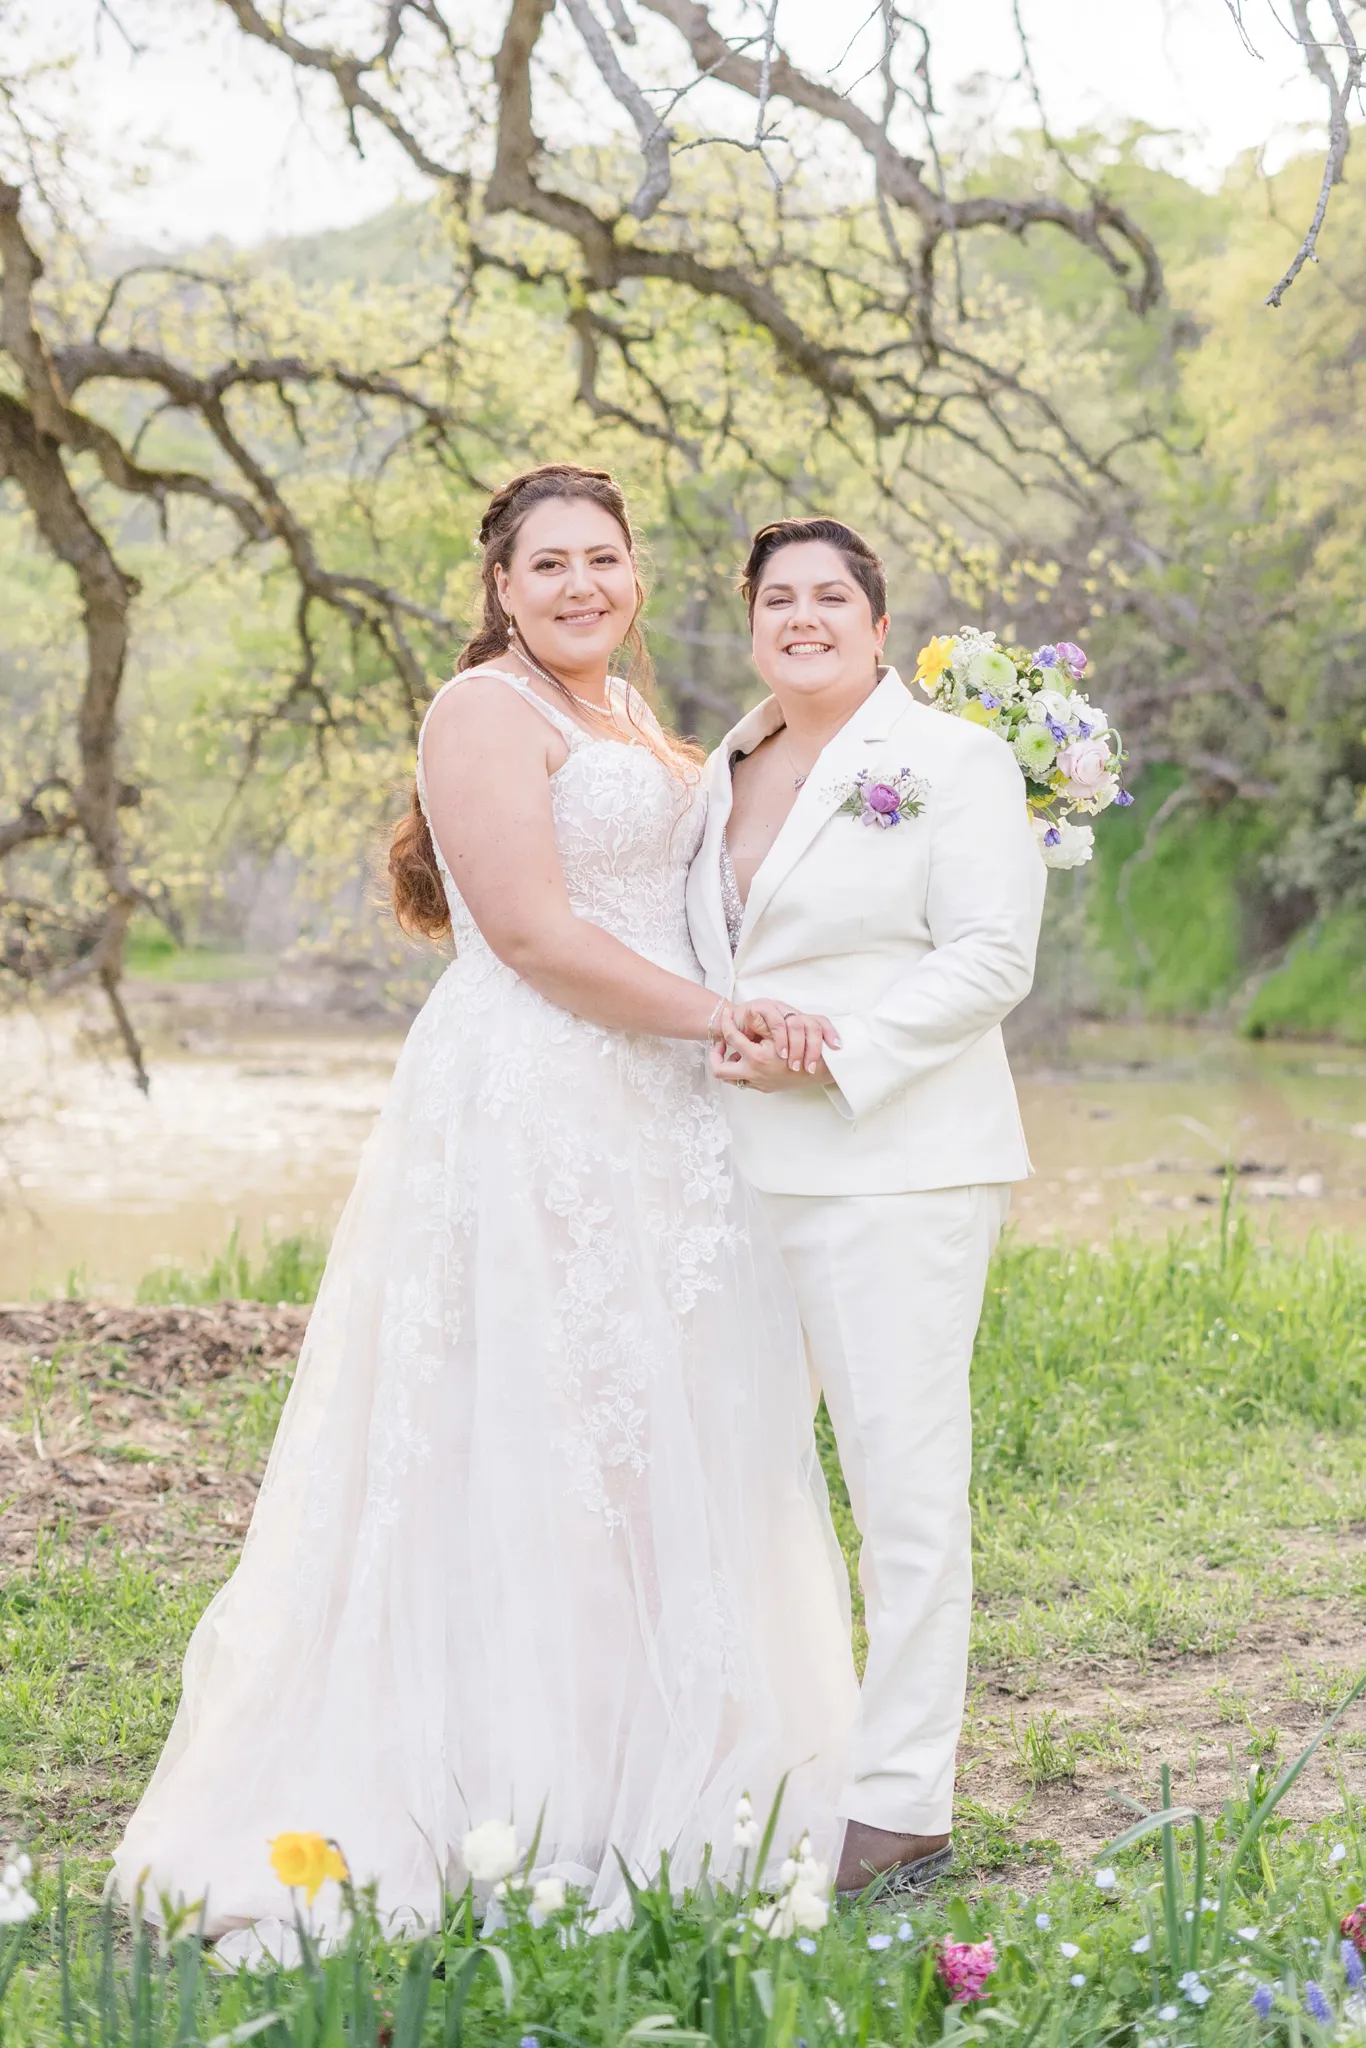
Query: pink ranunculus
[
  {"x": 1086, "y": 763},
  {"x": 882, "y": 798},
  {"x": 964, "y": 1967}
]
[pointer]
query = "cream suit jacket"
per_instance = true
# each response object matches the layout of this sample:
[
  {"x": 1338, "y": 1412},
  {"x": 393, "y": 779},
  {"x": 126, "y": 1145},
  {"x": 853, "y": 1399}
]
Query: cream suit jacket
[{"x": 915, "y": 939}]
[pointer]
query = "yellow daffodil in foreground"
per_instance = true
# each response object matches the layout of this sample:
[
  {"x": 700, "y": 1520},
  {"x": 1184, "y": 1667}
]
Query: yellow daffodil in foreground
[
  {"x": 305, "y": 1862},
  {"x": 932, "y": 661}
]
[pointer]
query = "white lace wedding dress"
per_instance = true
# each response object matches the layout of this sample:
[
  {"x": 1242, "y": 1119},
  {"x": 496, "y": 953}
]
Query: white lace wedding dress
[{"x": 543, "y": 1535}]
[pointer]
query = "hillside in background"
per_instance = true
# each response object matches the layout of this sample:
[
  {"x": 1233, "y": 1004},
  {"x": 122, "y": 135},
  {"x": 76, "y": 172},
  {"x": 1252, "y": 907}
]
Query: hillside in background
[{"x": 1224, "y": 602}]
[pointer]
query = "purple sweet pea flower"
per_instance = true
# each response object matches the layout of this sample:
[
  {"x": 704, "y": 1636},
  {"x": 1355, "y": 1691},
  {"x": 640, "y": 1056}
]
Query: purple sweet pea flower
[
  {"x": 1071, "y": 656},
  {"x": 1044, "y": 657},
  {"x": 1052, "y": 836},
  {"x": 882, "y": 798},
  {"x": 1124, "y": 799}
]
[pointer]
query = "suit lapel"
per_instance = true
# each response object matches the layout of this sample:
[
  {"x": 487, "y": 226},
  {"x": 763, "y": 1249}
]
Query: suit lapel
[{"x": 823, "y": 792}]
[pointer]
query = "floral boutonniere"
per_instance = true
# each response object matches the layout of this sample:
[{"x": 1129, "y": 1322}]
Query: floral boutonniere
[{"x": 884, "y": 799}]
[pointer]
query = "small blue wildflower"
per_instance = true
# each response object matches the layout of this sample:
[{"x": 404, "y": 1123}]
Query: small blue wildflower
[
  {"x": 1141, "y": 1946},
  {"x": 905, "y": 1932},
  {"x": 1263, "y": 1998},
  {"x": 1083, "y": 729},
  {"x": 1059, "y": 732},
  {"x": 1077, "y": 1981},
  {"x": 1351, "y": 1964},
  {"x": 1044, "y": 1920},
  {"x": 879, "y": 1941},
  {"x": 1045, "y": 657},
  {"x": 529, "y": 2041},
  {"x": 807, "y": 1945},
  {"x": 1316, "y": 2005},
  {"x": 990, "y": 703},
  {"x": 1169, "y": 2012},
  {"x": 1124, "y": 799}
]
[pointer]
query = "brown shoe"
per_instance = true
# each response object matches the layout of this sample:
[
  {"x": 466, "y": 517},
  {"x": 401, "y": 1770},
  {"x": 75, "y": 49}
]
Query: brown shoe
[{"x": 886, "y": 1865}]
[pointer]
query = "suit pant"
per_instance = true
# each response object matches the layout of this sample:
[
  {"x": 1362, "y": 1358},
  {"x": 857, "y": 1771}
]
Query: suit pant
[{"x": 890, "y": 1291}]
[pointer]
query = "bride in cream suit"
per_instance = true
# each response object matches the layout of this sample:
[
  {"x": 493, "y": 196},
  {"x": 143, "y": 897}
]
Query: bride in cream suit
[{"x": 871, "y": 859}]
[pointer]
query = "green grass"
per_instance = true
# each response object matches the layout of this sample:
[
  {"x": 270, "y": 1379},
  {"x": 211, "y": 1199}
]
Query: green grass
[
  {"x": 1170, "y": 920},
  {"x": 1170, "y": 1442},
  {"x": 1320, "y": 989},
  {"x": 288, "y": 1270}
]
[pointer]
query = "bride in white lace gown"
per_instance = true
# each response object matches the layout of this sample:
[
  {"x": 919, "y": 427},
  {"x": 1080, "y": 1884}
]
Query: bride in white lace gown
[{"x": 543, "y": 1533}]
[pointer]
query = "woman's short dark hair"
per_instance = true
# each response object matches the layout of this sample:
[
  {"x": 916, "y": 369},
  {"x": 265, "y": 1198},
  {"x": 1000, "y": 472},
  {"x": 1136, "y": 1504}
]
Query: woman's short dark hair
[{"x": 864, "y": 565}]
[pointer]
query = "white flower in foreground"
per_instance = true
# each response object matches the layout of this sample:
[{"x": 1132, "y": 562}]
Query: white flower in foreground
[
  {"x": 1338, "y": 1853},
  {"x": 777, "y": 1919},
  {"x": 548, "y": 1895},
  {"x": 1043, "y": 1920},
  {"x": 747, "y": 1832},
  {"x": 490, "y": 1851},
  {"x": 1069, "y": 1949},
  {"x": 1106, "y": 1880},
  {"x": 1141, "y": 1946},
  {"x": 810, "y": 1909},
  {"x": 1063, "y": 844},
  {"x": 1078, "y": 1980},
  {"x": 1247, "y": 1934},
  {"x": 1169, "y": 2012},
  {"x": 17, "y": 1904}
]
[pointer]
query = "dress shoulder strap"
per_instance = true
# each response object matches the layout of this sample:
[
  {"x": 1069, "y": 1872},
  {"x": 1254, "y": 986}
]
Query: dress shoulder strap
[{"x": 573, "y": 735}]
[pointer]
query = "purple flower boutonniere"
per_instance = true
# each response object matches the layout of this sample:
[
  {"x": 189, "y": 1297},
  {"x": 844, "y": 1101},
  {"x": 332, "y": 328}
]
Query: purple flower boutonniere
[{"x": 884, "y": 799}]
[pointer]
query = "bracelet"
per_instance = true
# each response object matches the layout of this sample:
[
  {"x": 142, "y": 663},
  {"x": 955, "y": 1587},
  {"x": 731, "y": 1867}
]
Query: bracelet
[{"x": 711, "y": 1021}]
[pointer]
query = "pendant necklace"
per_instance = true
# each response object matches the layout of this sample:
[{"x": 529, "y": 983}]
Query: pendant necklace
[{"x": 797, "y": 780}]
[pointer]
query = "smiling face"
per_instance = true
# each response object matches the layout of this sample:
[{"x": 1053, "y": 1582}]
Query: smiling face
[
  {"x": 814, "y": 634},
  {"x": 570, "y": 586}
]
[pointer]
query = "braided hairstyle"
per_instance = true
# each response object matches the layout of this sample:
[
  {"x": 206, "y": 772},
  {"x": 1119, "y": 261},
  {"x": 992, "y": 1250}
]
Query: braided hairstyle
[{"x": 419, "y": 900}]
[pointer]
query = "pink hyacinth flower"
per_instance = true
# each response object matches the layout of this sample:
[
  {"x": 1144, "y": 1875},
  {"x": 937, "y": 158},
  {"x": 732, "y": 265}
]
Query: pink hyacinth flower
[{"x": 964, "y": 1967}]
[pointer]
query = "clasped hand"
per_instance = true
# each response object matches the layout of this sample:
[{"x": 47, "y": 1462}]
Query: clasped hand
[{"x": 765, "y": 1044}]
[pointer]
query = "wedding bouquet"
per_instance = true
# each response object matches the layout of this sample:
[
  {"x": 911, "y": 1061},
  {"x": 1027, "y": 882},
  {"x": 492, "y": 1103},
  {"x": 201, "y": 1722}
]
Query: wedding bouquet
[{"x": 1070, "y": 756}]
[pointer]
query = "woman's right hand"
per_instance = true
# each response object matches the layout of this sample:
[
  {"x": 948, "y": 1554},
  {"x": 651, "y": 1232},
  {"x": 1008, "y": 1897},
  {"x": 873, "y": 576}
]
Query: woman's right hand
[{"x": 799, "y": 1036}]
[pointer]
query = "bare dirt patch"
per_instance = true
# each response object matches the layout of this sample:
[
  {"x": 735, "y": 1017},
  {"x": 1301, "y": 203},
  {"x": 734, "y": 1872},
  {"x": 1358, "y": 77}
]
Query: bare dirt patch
[
  {"x": 111, "y": 1423},
  {"x": 1053, "y": 1763}
]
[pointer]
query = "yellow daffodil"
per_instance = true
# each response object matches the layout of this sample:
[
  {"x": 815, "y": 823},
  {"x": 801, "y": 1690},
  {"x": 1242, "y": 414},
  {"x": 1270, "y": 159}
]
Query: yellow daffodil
[
  {"x": 305, "y": 1862},
  {"x": 932, "y": 661}
]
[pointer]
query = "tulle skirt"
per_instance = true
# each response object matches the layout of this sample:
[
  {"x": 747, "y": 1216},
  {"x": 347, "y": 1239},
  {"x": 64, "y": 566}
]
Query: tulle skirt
[{"x": 543, "y": 1536}]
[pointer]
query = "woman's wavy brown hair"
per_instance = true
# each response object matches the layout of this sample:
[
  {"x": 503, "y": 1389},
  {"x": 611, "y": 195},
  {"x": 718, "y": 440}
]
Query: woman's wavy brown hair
[{"x": 419, "y": 900}]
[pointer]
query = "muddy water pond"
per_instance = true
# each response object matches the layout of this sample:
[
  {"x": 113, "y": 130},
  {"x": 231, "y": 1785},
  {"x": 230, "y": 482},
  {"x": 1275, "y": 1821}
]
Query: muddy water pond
[{"x": 257, "y": 1114}]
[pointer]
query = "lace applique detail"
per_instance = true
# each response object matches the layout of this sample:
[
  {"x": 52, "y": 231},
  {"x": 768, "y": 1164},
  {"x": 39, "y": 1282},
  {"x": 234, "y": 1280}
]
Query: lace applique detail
[{"x": 609, "y": 1184}]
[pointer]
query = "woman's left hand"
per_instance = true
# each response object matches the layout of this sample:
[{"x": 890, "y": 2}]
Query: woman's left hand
[
  {"x": 755, "y": 1063},
  {"x": 798, "y": 1037}
]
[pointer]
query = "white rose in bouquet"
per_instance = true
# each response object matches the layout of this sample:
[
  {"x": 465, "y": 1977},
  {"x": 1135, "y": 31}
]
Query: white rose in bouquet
[{"x": 1062, "y": 844}]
